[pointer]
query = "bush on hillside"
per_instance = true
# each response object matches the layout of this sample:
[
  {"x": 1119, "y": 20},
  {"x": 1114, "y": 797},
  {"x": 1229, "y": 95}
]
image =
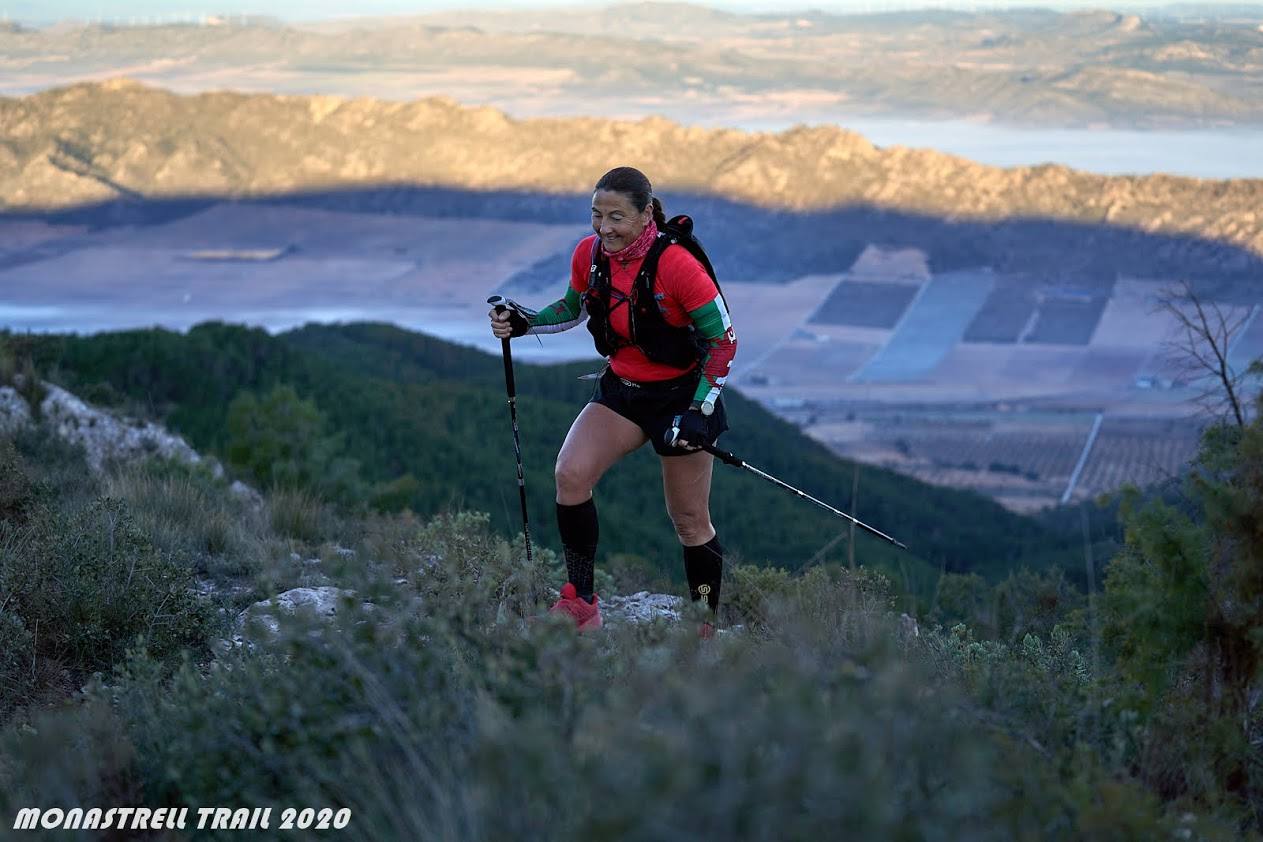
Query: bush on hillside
[
  {"x": 39, "y": 468},
  {"x": 91, "y": 582},
  {"x": 191, "y": 516},
  {"x": 279, "y": 440},
  {"x": 752, "y": 595},
  {"x": 465, "y": 570},
  {"x": 17, "y": 662},
  {"x": 1183, "y": 613},
  {"x": 297, "y": 513},
  {"x": 17, "y": 489},
  {"x": 965, "y": 598}
]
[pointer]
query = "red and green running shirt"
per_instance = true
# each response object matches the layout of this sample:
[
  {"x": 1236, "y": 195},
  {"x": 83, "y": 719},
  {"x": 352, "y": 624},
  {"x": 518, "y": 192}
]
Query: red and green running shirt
[{"x": 685, "y": 294}]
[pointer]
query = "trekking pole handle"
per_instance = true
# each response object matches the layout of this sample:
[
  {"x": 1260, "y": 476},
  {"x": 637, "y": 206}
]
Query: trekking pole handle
[
  {"x": 498, "y": 303},
  {"x": 724, "y": 456}
]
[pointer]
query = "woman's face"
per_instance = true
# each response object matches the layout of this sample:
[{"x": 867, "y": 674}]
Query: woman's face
[{"x": 616, "y": 221}]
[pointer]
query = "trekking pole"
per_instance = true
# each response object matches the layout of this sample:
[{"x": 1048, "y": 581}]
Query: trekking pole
[
  {"x": 736, "y": 462},
  {"x": 501, "y": 305}
]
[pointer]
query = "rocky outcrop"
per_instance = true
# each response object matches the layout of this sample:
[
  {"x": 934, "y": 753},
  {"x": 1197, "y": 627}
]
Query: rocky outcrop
[
  {"x": 14, "y": 411},
  {"x": 320, "y": 602},
  {"x": 105, "y": 436},
  {"x": 641, "y": 607}
]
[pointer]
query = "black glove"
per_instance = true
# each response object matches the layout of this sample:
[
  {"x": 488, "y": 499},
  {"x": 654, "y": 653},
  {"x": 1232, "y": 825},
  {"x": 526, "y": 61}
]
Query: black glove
[
  {"x": 520, "y": 318},
  {"x": 688, "y": 430},
  {"x": 518, "y": 324}
]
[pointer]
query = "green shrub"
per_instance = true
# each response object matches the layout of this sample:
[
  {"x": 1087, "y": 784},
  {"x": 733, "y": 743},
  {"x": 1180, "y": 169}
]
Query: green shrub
[
  {"x": 17, "y": 662},
  {"x": 753, "y": 596},
  {"x": 748, "y": 591},
  {"x": 299, "y": 514},
  {"x": 396, "y": 495},
  {"x": 465, "y": 570},
  {"x": 17, "y": 490},
  {"x": 47, "y": 469},
  {"x": 965, "y": 598},
  {"x": 1033, "y": 602},
  {"x": 91, "y": 581},
  {"x": 71, "y": 756},
  {"x": 279, "y": 441}
]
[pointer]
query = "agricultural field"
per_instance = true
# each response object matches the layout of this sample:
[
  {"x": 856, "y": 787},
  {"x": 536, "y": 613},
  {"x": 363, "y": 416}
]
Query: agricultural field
[
  {"x": 1140, "y": 452},
  {"x": 1025, "y": 460},
  {"x": 994, "y": 382}
]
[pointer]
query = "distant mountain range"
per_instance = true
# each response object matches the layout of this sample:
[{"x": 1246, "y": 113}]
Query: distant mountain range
[
  {"x": 1032, "y": 67},
  {"x": 122, "y": 140}
]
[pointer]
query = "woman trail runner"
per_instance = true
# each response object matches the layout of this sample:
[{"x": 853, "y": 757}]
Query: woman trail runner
[{"x": 668, "y": 353}]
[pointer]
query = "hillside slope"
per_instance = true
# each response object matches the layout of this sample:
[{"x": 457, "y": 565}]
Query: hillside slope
[{"x": 408, "y": 404}]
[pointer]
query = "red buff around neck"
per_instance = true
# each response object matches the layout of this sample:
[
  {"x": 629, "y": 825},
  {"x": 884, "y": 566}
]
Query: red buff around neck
[{"x": 638, "y": 249}]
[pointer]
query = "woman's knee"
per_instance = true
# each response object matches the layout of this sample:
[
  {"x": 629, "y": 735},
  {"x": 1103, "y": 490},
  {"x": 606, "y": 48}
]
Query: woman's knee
[
  {"x": 692, "y": 526},
  {"x": 574, "y": 484}
]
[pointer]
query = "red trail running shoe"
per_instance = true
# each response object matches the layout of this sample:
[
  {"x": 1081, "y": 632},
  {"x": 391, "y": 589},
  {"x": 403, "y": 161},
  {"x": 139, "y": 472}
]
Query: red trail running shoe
[{"x": 587, "y": 615}]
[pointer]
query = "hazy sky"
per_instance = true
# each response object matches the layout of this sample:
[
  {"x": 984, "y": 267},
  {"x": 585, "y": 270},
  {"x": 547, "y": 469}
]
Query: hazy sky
[{"x": 41, "y": 11}]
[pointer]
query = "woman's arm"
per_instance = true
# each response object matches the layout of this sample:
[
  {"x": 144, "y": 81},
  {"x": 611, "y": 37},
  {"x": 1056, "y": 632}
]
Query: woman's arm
[
  {"x": 568, "y": 311},
  {"x": 562, "y": 314},
  {"x": 687, "y": 284},
  {"x": 713, "y": 324}
]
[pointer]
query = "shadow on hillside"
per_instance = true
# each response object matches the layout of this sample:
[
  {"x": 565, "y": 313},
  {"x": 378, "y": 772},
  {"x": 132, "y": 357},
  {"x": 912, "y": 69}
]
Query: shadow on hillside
[{"x": 754, "y": 243}]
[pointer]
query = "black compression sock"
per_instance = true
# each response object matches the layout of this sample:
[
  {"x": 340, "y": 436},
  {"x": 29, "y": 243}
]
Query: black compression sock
[
  {"x": 579, "y": 531},
  {"x": 704, "y": 569}
]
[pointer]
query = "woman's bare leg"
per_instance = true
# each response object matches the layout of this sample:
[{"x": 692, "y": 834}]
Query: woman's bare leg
[
  {"x": 686, "y": 485},
  {"x": 598, "y": 438}
]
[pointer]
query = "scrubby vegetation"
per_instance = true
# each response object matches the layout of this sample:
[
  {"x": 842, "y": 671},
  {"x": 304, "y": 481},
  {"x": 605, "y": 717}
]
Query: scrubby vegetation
[{"x": 441, "y": 702}]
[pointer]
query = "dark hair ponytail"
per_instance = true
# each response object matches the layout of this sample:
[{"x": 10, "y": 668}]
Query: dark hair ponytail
[
  {"x": 635, "y": 185},
  {"x": 659, "y": 217}
]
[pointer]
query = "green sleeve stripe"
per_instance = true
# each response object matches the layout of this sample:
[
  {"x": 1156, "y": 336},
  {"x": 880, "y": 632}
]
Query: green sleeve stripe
[
  {"x": 560, "y": 311},
  {"x": 711, "y": 319}
]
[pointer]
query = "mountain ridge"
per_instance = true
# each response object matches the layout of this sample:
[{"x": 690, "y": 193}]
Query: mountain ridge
[{"x": 92, "y": 142}]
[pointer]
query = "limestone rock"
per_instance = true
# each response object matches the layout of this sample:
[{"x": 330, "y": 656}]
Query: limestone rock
[
  {"x": 641, "y": 607},
  {"x": 105, "y": 436},
  {"x": 320, "y": 602},
  {"x": 14, "y": 411},
  {"x": 323, "y": 601},
  {"x": 252, "y": 497}
]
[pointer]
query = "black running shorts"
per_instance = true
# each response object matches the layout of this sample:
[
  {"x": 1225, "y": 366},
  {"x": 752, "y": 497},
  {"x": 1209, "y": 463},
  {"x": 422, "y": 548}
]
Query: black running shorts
[{"x": 653, "y": 407}]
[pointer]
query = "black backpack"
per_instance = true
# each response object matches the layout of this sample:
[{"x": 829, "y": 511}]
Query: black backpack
[{"x": 661, "y": 342}]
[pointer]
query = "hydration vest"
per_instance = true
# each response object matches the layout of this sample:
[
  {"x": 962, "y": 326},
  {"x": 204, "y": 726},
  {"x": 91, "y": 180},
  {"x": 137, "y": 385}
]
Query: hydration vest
[{"x": 680, "y": 347}]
